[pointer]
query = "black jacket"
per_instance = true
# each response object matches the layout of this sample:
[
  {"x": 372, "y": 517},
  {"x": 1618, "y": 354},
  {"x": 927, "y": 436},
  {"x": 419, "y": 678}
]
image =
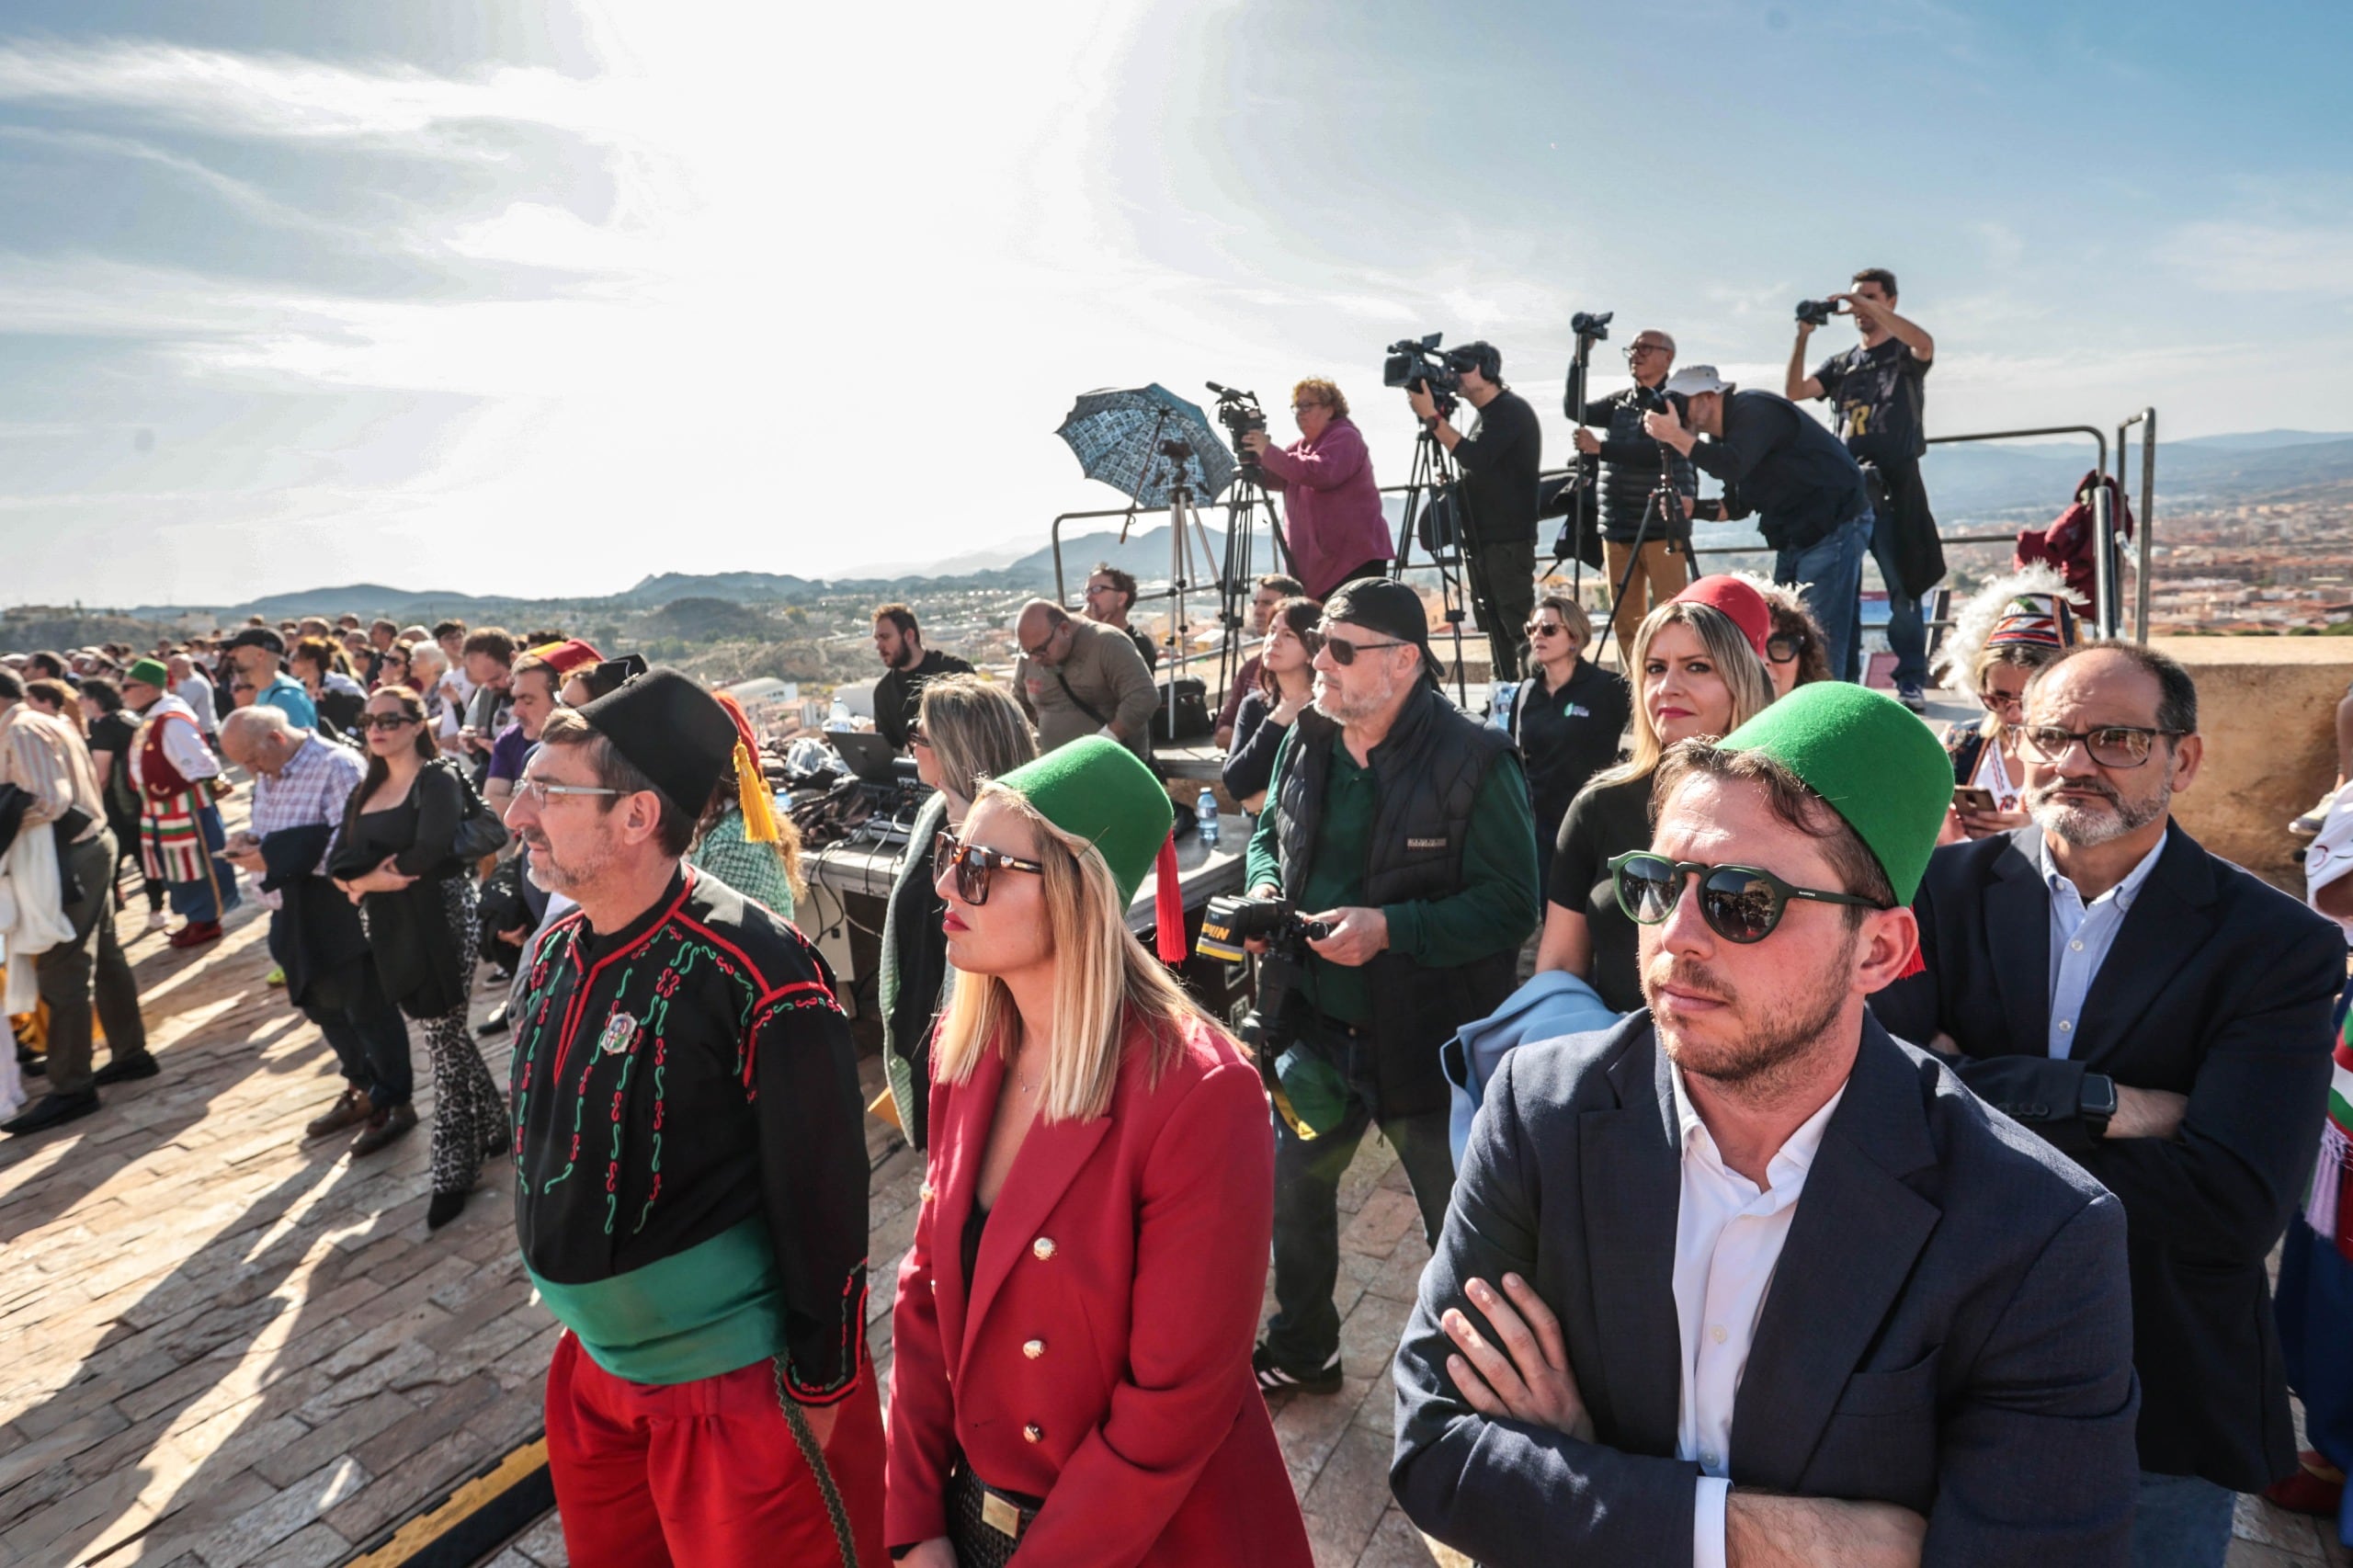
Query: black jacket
[
  {"x": 1946, "y": 1329},
  {"x": 1629, "y": 470},
  {"x": 1781, "y": 464},
  {"x": 1428, "y": 771},
  {"x": 1500, "y": 460},
  {"x": 315, "y": 930},
  {"x": 2218, "y": 987}
]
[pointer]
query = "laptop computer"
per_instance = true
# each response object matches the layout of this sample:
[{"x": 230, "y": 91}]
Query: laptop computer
[{"x": 867, "y": 754}]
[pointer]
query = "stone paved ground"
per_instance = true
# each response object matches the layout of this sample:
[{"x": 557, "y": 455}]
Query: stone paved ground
[{"x": 221, "y": 1346}]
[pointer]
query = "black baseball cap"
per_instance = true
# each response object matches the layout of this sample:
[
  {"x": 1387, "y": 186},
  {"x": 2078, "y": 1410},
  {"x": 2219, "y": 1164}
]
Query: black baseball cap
[
  {"x": 1390, "y": 607},
  {"x": 259, "y": 637}
]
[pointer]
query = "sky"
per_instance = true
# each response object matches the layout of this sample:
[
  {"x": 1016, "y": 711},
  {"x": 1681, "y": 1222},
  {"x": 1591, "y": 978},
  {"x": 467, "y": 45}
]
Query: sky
[{"x": 540, "y": 299}]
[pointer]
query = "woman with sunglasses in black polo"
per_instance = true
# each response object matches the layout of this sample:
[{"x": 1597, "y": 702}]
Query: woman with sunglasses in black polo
[
  {"x": 1568, "y": 715},
  {"x": 1070, "y": 1381}
]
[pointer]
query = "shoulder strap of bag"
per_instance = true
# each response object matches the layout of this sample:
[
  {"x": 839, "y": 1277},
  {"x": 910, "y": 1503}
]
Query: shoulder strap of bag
[{"x": 1083, "y": 706}]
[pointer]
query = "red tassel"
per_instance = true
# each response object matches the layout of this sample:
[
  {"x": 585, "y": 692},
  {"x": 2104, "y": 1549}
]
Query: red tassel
[
  {"x": 1168, "y": 904},
  {"x": 1917, "y": 966}
]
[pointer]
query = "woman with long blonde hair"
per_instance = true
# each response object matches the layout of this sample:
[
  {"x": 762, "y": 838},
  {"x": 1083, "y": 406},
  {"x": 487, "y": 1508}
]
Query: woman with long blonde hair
[
  {"x": 1696, "y": 673},
  {"x": 1071, "y": 1341}
]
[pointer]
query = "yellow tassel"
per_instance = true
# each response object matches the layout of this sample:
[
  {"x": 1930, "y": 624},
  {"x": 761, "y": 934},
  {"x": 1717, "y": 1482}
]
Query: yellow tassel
[{"x": 752, "y": 793}]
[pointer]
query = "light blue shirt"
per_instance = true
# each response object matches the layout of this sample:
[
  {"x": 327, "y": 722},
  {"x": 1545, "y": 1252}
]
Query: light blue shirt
[{"x": 2081, "y": 935}]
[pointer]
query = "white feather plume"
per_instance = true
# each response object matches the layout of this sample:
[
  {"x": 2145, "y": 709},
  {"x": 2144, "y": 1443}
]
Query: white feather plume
[{"x": 1965, "y": 639}]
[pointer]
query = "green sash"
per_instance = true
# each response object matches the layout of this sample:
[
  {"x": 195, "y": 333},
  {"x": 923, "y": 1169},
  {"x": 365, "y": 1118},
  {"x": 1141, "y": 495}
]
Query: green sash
[{"x": 708, "y": 1310}]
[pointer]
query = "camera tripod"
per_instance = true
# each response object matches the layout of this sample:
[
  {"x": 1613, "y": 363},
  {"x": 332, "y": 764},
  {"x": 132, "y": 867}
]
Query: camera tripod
[
  {"x": 1590, "y": 330},
  {"x": 1664, "y": 508},
  {"x": 1433, "y": 483},
  {"x": 1246, "y": 502}
]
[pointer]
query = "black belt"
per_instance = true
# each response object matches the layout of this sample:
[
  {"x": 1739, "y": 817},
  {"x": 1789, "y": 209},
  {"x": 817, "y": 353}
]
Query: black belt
[{"x": 983, "y": 1524}]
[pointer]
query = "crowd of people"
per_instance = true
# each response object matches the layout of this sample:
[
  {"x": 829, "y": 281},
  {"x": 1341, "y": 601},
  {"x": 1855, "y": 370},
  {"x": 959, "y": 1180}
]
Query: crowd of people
[{"x": 1837, "y": 1142}]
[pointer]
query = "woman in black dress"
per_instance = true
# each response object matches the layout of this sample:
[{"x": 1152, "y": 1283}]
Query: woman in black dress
[
  {"x": 1698, "y": 675},
  {"x": 397, "y": 860}
]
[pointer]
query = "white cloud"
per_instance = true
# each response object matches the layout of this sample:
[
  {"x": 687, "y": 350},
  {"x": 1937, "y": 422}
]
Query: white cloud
[{"x": 2314, "y": 259}]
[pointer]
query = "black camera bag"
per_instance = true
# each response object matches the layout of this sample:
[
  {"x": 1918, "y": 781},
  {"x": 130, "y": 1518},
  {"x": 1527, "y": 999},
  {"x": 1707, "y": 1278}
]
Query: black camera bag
[{"x": 1192, "y": 718}]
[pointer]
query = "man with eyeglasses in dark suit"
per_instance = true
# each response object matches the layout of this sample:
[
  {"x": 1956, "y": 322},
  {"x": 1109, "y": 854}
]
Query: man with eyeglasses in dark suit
[{"x": 2161, "y": 1017}]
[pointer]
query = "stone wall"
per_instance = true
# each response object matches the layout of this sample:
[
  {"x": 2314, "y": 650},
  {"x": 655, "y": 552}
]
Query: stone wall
[{"x": 2267, "y": 707}]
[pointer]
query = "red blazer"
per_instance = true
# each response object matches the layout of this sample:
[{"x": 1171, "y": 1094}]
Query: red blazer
[{"x": 1100, "y": 1356}]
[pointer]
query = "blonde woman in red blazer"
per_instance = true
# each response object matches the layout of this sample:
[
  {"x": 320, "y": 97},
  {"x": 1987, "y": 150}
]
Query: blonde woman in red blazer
[{"x": 1082, "y": 1394}]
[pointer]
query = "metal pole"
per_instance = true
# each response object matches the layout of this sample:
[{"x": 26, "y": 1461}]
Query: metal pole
[
  {"x": 2103, "y": 559},
  {"x": 2148, "y": 520}
]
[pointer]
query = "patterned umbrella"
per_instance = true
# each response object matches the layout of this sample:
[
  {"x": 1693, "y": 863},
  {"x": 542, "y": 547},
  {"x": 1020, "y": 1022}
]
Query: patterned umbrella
[{"x": 1123, "y": 437}]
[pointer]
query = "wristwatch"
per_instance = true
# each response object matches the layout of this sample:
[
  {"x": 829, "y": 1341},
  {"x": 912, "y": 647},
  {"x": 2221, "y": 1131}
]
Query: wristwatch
[{"x": 2096, "y": 1102}]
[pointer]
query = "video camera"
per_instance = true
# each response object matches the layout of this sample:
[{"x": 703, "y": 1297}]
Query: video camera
[
  {"x": 1226, "y": 923},
  {"x": 1240, "y": 413},
  {"x": 1415, "y": 363},
  {"x": 1585, "y": 324},
  {"x": 1817, "y": 313}
]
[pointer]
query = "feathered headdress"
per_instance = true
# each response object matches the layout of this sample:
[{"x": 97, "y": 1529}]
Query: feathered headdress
[{"x": 2032, "y": 606}]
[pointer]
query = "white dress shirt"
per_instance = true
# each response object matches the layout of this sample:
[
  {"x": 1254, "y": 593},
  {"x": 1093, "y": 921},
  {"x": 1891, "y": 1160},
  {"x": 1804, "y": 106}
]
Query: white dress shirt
[
  {"x": 2081, "y": 934},
  {"x": 1728, "y": 1237}
]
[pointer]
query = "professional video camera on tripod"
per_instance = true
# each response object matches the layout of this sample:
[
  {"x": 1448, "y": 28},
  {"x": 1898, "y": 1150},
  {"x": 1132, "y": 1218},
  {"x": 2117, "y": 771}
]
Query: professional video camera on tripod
[
  {"x": 1247, "y": 501},
  {"x": 1436, "y": 509}
]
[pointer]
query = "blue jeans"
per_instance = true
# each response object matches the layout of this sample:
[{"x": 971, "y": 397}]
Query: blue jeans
[
  {"x": 195, "y": 900},
  {"x": 2314, "y": 1302},
  {"x": 1830, "y": 577},
  {"x": 2181, "y": 1521},
  {"x": 1907, "y": 631},
  {"x": 1304, "y": 1332}
]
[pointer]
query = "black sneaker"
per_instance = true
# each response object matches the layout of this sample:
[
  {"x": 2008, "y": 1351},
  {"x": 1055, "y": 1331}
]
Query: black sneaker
[
  {"x": 1276, "y": 1377},
  {"x": 123, "y": 1069},
  {"x": 1909, "y": 694},
  {"x": 52, "y": 1111}
]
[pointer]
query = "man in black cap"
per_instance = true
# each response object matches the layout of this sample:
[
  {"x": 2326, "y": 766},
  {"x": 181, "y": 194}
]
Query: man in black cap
[
  {"x": 258, "y": 655},
  {"x": 1404, "y": 826},
  {"x": 1500, "y": 460},
  {"x": 691, "y": 1169}
]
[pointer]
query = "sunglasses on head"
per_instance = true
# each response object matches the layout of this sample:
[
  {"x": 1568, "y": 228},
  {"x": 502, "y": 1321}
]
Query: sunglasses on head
[
  {"x": 973, "y": 865},
  {"x": 1740, "y": 903}
]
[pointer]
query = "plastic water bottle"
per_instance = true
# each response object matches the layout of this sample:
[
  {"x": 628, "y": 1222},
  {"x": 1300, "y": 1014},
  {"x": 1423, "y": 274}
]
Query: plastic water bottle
[
  {"x": 838, "y": 718},
  {"x": 1205, "y": 809}
]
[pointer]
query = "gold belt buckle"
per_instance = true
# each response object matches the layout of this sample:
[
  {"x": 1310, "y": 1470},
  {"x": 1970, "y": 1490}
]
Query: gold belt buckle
[{"x": 1000, "y": 1516}]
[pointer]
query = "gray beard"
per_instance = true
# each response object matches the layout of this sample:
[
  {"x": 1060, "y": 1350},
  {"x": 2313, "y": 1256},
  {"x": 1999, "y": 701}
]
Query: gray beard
[{"x": 2088, "y": 827}]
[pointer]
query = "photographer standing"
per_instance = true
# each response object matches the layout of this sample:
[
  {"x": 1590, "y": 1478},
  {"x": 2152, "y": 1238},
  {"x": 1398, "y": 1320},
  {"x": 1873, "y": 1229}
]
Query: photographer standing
[
  {"x": 1331, "y": 516},
  {"x": 1403, "y": 824},
  {"x": 1804, "y": 488},
  {"x": 1630, "y": 464},
  {"x": 1500, "y": 460},
  {"x": 1880, "y": 387}
]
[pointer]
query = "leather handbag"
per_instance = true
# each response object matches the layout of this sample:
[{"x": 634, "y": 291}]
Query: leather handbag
[
  {"x": 985, "y": 1525},
  {"x": 480, "y": 833}
]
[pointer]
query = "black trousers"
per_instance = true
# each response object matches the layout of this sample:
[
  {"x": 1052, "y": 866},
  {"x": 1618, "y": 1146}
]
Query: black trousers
[
  {"x": 1503, "y": 595},
  {"x": 92, "y": 963},
  {"x": 366, "y": 1031}
]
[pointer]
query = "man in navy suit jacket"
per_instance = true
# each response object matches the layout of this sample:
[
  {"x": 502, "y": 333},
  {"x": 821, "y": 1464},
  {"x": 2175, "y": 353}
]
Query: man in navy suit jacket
[
  {"x": 1744, "y": 1281},
  {"x": 2161, "y": 1017}
]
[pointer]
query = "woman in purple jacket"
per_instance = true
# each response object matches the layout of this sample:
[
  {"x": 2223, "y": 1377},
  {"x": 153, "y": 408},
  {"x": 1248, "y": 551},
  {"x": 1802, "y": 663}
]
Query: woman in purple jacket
[{"x": 1331, "y": 507}]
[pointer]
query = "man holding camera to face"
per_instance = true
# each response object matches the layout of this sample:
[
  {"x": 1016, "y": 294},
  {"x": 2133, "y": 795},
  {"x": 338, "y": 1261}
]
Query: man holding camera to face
[
  {"x": 1499, "y": 459},
  {"x": 1879, "y": 386},
  {"x": 1631, "y": 465}
]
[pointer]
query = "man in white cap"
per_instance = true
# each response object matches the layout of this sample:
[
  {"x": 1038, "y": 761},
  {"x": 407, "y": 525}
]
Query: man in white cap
[{"x": 1803, "y": 486}]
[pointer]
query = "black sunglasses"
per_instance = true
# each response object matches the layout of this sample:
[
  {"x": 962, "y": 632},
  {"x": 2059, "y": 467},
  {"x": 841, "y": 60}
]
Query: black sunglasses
[
  {"x": 1740, "y": 903},
  {"x": 387, "y": 722},
  {"x": 974, "y": 865},
  {"x": 1343, "y": 653},
  {"x": 1783, "y": 647}
]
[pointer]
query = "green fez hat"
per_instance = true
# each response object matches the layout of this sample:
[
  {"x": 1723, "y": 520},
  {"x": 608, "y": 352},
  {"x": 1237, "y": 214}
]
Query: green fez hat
[
  {"x": 150, "y": 671},
  {"x": 1095, "y": 788},
  {"x": 1875, "y": 764}
]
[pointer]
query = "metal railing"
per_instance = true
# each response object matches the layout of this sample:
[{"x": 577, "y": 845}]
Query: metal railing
[{"x": 2107, "y": 617}]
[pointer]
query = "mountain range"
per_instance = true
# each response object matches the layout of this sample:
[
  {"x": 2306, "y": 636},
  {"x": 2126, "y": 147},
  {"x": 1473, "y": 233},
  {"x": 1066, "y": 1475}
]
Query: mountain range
[{"x": 2003, "y": 485}]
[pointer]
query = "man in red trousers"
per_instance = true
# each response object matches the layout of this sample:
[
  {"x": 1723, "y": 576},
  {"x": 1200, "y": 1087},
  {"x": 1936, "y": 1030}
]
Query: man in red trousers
[{"x": 690, "y": 1171}]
